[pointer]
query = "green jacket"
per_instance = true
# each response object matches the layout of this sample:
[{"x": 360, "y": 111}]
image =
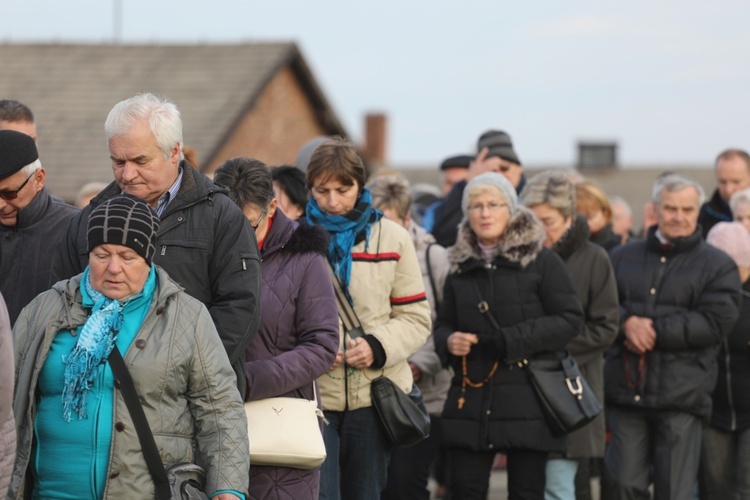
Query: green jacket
[{"x": 182, "y": 375}]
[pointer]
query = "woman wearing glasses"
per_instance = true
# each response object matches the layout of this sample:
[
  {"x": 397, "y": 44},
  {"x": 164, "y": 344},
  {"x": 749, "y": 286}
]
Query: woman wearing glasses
[
  {"x": 298, "y": 334},
  {"x": 499, "y": 262}
]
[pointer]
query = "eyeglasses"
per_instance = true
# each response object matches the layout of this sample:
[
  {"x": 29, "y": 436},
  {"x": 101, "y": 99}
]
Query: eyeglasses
[
  {"x": 8, "y": 195},
  {"x": 260, "y": 219},
  {"x": 492, "y": 207}
]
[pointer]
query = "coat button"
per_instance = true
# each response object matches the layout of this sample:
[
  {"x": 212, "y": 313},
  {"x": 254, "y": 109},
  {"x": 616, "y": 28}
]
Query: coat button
[
  {"x": 114, "y": 474},
  {"x": 663, "y": 259},
  {"x": 488, "y": 412},
  {"x": 119, "y": 427},
  {"x": 637, "y": 398},
  {"x": 140, "y": 343},
  {"x": 652, "y": 291}
]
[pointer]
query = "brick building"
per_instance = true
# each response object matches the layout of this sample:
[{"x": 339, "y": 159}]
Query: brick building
[{"x": 254, "y": 99}]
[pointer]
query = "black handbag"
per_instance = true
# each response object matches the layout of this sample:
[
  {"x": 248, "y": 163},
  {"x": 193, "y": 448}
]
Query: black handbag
[
  {"x": 183, "y": 481},
  {"x": 404, "y": 417},
  {"x": 566, "y": 399}
]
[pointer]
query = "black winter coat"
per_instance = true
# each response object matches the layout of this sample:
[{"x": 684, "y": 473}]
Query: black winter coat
[
  {"x": 25, "y": 250},
  {"x": 596, "y": 288},
  {"x": 712, "y": 212},
  {"x": 731, "y": 410},
  {"x": 206, "y": 245},
  {"x": 692, "y": 294},
  {"x": 530, "y": 294}
]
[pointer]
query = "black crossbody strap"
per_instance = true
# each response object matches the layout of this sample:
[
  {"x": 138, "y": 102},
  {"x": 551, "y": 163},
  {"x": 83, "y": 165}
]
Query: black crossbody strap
[
  {"x": 150, "y": 451},
  {"x": 484, "y": 307},
  {"x": 346, "y": 312}
]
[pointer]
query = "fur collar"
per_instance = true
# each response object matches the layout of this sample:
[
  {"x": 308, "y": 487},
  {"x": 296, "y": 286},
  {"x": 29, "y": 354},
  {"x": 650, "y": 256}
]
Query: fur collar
[{"x": 521, "y": 242}]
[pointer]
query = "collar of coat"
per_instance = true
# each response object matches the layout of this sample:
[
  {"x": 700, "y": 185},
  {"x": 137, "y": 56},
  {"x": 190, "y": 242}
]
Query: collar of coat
[
  {"x": 519, "y": 245},
  {"x": 76, "y": 314},
  {"x": 194, "y": 188},
  {"x": 574, "y": 238},
  {"x": 294, "y": 237},
  {"x": 678, "y": 245}
]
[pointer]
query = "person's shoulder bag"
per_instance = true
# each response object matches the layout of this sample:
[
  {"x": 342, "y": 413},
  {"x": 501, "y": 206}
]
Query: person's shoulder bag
[{"x": 403, "y": 416}]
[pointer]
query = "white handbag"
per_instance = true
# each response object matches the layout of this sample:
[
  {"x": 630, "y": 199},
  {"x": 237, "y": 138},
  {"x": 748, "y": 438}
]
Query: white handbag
[{"x": 285, "y": 432}]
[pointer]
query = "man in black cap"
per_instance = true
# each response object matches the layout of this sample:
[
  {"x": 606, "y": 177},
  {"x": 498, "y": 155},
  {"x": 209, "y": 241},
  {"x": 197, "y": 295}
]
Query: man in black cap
[
  {"x": 452, "y": 171},
  {"x": 31, "y": 222},
  {"x": 495, "y": 153}
]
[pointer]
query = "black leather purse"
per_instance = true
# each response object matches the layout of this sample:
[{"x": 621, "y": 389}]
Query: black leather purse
[
  {"x": 183, "y": 481},
  {"x": 566, "y": 399},
  {"x": 404, "y": 416}
]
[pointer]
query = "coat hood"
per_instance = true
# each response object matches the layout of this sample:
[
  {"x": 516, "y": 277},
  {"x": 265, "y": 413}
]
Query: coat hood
[{"x": 520, "y": 243}]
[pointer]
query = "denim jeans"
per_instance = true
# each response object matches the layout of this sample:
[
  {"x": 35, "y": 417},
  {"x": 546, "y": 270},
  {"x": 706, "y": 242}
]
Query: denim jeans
[
  {"x": 725, "y": 464},
  {"x": 561, "y": 478},
  {"x": 358, "y": 453}
]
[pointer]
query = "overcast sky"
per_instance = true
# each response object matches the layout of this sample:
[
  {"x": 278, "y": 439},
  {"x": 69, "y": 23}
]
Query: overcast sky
[{"x": 669, "y": 80}]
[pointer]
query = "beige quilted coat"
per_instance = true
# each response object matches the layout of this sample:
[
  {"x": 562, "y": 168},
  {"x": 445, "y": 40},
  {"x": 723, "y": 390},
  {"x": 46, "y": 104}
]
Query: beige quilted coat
[
  {"x": 181, "y": 372},
  {"x": 389, "y": 299}
]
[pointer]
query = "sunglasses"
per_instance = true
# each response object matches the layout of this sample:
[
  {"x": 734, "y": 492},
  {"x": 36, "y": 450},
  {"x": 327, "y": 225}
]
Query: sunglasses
[{"x": 8, "y": 195}]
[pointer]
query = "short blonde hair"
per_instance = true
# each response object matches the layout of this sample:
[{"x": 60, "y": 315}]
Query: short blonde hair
[
  {"x": 590, "y": 198},
  {"x": 391, "y": 191}
]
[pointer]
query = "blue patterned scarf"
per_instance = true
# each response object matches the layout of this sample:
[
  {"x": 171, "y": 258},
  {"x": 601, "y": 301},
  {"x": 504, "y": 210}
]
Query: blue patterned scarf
[
  {"x": 94, "y": 344},
  {"x": 344, "y": 230}
]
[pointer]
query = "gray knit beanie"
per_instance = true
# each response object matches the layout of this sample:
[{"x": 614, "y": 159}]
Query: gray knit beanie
[
  {"x": 733, "y": 239},
  {"x": 499, "y": 144},
  {"x": 124, "y": 220},
  {"x": 496, "y": 180}
]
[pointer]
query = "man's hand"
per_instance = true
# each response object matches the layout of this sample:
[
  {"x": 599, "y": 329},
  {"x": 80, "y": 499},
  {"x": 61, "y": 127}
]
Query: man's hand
[
  {"x": 482, "y": 164},
  {"x": 640, "y": 335},
  {"x": 459, "y": 343},
  {"x": 360, "y": 354}
]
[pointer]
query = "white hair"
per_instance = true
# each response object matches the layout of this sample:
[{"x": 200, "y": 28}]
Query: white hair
[
  {"x": 676, "y": 182},
  {"x": 739, "y": 198},
  {"x": 31, "y": 168},
  {"x": 163, "y": 119}
]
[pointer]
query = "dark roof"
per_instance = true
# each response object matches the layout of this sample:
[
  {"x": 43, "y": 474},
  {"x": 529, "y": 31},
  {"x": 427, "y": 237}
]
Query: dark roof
[{"x": 72, "y": 88}]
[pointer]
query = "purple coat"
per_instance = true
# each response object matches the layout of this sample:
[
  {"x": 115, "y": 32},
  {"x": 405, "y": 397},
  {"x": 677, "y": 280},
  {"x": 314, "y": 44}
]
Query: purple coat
[{"x": 297, "y": 340}]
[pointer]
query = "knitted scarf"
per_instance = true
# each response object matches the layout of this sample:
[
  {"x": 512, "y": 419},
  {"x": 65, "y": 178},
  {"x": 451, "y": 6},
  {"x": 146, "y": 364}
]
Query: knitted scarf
[
  {"x": 95, "y": 342},
  {"x": 344, "y": 230}
]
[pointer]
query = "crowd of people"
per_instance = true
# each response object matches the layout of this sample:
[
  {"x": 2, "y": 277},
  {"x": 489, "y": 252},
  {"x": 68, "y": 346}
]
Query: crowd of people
[{"x": 224, "y": 290}]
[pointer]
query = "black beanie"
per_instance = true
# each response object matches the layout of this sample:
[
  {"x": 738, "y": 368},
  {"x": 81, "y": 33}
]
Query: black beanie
[
  {"x": 460, "y": 161},
  {"x": 16, "y": 151},
  {"x": 499, "y": 144},
  {"x": 124, "y": 220}
]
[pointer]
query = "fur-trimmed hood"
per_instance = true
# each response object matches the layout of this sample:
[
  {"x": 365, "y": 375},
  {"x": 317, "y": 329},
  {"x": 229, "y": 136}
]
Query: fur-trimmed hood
[
  {"x": 292, "y": 237},
  {"x": 521, "y": 242}
]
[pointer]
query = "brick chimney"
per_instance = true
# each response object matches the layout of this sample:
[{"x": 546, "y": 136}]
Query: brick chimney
[{"x": 375, "y": 139}]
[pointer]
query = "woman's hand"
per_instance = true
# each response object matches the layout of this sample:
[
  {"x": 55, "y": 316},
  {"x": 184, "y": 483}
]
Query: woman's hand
[
  {"x": 360, "y": 354},
  {"x": 459, "y": 343},
  {"x": 336, "y": 363}
]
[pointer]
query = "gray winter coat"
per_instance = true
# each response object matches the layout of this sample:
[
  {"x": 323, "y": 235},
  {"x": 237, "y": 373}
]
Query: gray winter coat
[
  {"x": 26, "y": 250},
  {"x": 7, "y": 426},
  {"x": 595, "y": 286},
  {"x": 179, "y": 370},
  {"x": 206, "y": 245}
]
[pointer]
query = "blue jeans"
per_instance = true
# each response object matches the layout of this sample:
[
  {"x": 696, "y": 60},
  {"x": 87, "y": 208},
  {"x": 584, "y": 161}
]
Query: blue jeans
[
  {"x": 358, "y": 453},
  {"x": 561, "y": 477}
]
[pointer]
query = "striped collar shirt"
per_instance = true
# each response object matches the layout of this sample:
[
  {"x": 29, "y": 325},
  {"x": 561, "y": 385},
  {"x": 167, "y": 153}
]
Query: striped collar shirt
[{"x": 165, "y": 199}]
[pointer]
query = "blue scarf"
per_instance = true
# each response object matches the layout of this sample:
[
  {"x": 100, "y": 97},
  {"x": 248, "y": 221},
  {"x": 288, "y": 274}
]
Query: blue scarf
[
  {"x": 95, "y": 342},
  {"x": 344, "y": 230}
]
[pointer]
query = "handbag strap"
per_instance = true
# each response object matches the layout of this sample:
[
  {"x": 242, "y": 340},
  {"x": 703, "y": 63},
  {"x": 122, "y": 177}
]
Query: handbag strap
[
  {"x": 484, "y": 307},
  {"x": 346, "y": 311},
  {"x": 432, "y": 277},
  {"x": 145, "y": 436}
]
